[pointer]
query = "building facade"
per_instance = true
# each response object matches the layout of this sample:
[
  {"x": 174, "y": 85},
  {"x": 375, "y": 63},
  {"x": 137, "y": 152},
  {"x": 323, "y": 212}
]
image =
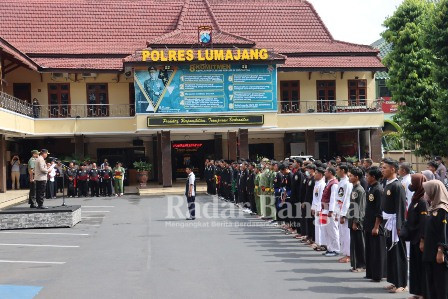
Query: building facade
[{"x": 175, "y": 82}]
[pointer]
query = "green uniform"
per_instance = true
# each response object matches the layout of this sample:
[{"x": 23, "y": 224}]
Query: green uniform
[
  {"x": 118, "y": 179},
  {"x": 265, "y": 191},
  {"x": 257, "y": 192},
  {"x": 270, "y": 199}
]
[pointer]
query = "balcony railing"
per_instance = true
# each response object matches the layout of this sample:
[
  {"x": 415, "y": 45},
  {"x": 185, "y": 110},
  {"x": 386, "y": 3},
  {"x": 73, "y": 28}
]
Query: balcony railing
[
  {"x": 334, "y": 106},
  {"x": 14, "y": 104},
  {"x": 83, "y": 110}
]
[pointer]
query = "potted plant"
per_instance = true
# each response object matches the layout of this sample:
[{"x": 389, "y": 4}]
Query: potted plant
[{"x": 143, "y": 169}]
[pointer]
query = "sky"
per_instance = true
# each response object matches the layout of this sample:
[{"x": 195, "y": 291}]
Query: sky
[{"x": 355, "y": 21}]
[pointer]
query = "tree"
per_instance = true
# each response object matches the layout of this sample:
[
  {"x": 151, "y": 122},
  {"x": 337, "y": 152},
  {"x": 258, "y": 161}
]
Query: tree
[
  {"x": 410, "y": 70},
  {"x": 437, "y": 41}
]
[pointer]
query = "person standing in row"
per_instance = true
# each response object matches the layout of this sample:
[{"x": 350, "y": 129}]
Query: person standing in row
[
  {"x": 309, "y": 189},
  {"x": 316, "y": 208},
  {"x": 329, "y": 199},
  {"x": 15, "y": 172},
  {"x": 31, "y": 165},
  {"x": 190, "y": 192},
  {"x": 355, "y": 221},
  {"x": 374, "y": 229},
  {"x": 71, "y": 178},
  {"x": 344, "y": 192},
  {"x": 82, "y": 178},
  {"x": 118, "y": 179},
  {"x": 394, "y": 210},
  {"x": 94, "y": 177},
  {"x": 435, "y": 242},
  {"x": 417, "y": 213},
  {"x": 40, "y": 176},
  {"x": 250, "y": 188}
]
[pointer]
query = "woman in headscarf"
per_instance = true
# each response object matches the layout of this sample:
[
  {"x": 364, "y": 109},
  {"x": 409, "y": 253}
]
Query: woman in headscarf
[
  {"x": 429, "y": 175},
  {"x": 435, "y": 241},
  {"x": 417, "y": 212}
]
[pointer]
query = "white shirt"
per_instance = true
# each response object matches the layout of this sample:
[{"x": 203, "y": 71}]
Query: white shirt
[
  {"x": 191, "y": 179},
  {"x": 333, "y": 198},
  {"x": 406, "y": 181},
  {"x": 317, "y": 195},
  {"x": 344, "y": 190},
  {"x": 51, "y": 173}
]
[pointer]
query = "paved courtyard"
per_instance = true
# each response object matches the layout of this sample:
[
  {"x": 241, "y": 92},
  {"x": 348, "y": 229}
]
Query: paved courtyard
[{"x": 131, "y": 247}]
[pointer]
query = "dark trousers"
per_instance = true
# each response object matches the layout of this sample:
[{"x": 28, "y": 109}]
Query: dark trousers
[
  {"x": 251, "y": 199},
  {"x": 108, "y": 186},
  {"x": 436, "y": 280},
  {"x": 82, "y": 188},
  {"x": 40, "y": 192},
  {"x": 302, "y": 219},
  {"x": 376, "y": 252},
  {"x": 50, "y": 190},
  {"x": 59, "y": 184},
  {"x": 191, "y": 206},
  {"x": 357, "y": 249},
  {"x": 32, "y": 195},
  {"x": 397, "y": 263},
  {"x": 211, "y": 186},
  {"x": 416, "y": 271},
  {"x": 95, "y": 188},
  {"x": 71, "y": 189}
]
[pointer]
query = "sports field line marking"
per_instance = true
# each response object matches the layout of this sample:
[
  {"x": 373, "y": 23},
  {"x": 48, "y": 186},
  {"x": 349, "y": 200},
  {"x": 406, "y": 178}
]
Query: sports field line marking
[
  {"x": 40, "y": 245},
  {"x": 95, "y": 212},
  {"x": 97, "y": 206},
  {"x": 32, "y": 262},
  {"x": 29, "y": 233}
]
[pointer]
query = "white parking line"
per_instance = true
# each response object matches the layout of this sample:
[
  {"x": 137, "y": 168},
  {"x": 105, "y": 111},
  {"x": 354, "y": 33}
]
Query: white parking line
[
  {"x": 27, "y": 233},
  {"x": 39, "y": 245},
  {"x": 93, "y": 217},
  {"x": 95, "y": 212},
  {"x": 97, "y": 206},
  {"x": 32, "y": 262}
]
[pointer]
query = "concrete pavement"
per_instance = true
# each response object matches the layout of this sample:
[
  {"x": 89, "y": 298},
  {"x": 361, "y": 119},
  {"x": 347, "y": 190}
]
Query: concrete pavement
[{"x": 128, "y": 248}]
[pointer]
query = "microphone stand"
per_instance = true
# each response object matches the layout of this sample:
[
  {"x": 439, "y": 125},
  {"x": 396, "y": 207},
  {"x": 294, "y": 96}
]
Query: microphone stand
[{"x": 64, "y": 168}]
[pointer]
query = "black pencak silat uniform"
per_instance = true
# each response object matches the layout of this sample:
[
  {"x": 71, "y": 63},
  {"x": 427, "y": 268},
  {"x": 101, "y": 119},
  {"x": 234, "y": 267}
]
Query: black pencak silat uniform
[
  {"x": 436, "y": 275},
  {"x": 375, "y": 245},
  {"x": 355, "y": 217},
  {"x": 82, "y": 178},
  {"x": 71, "y": 178},
  {"x": 394, "y": 202},
  {"x": 416, "y": 220}
]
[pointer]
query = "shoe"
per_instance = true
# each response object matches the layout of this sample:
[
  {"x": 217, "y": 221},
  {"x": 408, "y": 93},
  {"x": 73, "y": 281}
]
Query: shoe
[
  {"x": 325, "y": 253},
  {"x": 331, "y": 253},
  {"x": 121, "y": 194},
  {"x": 190, "y": 218},
  {"x": 33, "y": 207},
  {"x": 42, "y": 207}
]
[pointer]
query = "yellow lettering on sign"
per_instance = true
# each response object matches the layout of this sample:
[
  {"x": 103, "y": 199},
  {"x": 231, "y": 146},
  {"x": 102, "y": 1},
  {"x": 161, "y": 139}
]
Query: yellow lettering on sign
[
  {"x": 264, "y": 54},
  {"x": 200, "y": 57},
  {"x": 145, "y": 55},
  {"x": 229, "y": 55},
  {"x": 208, "y": 54},
  {"x": 181, "y": 55},
  {"x": 155, "y": 55},
  {"x": 190, "y": 55},
  {"x": 172, "y": 55}
]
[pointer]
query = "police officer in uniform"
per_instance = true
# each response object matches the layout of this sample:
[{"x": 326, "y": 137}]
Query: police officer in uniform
[
  {"x": 71, "y": 178},
  {"x": 94, "y": 176},
  {"x": 31, "y": 165},
  {"x": 82, "y": 178}
]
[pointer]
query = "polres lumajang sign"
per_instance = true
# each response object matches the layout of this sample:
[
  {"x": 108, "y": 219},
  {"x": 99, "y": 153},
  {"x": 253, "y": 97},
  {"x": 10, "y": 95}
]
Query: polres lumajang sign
[{"x": 205, "y": 55}]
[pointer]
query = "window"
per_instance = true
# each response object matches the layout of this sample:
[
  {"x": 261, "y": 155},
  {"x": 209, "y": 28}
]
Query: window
[
  {"x": 357, "y": 92},
  {"x": 290, "y": 96},
  {"x": 131, "y": 99},
  {"x": 59, "y": 99},
  {"x": 97, "y": 100},
  {"x": 383, "y": 91},
  {"x": 326, "y": 95}
]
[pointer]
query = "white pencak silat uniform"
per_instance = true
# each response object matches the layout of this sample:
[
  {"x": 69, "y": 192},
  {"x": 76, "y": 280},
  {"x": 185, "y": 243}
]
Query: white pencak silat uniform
[
  {"x": 344, "y": 191},
  {"x": 331, "y": 229},
  {"x": 317, "y": 206},
  {"x": 406, "y": 181}
]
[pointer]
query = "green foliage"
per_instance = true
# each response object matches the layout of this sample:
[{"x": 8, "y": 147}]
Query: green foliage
[
  {"x": 350, "y": 159},
  {"x": 142, "y": 166},
  {"x": 411, "y": 68}
]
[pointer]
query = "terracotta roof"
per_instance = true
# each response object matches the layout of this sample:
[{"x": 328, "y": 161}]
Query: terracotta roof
[
  {"x": 338, "y": 62},
  {"x": 87, "y": 27},
  {"x": 79, "y": 63},
  {"x": 15, "y": 54}
]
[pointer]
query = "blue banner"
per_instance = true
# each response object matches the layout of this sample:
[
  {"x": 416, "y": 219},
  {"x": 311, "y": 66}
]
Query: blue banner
[{"x": 208, "y": 88}]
